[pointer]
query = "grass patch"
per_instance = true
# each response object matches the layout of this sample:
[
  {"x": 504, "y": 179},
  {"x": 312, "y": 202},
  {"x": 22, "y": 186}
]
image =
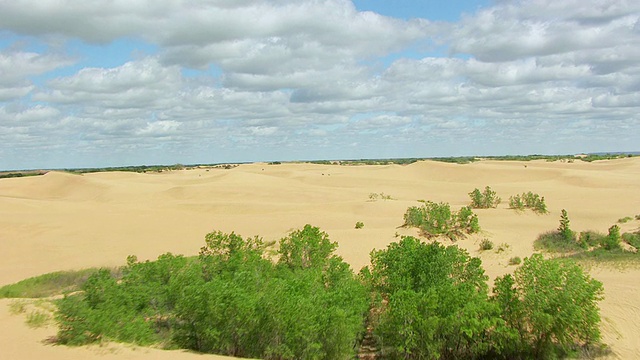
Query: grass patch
[
  {"x": 632, "y": 239},
  {"x": 618, "y": 256},
  {"x": 554, "y": 241},
  {"x": 17, "y": 307},
  {"x": 37, "y": 319},
  {"x": 56, "y": 283}
]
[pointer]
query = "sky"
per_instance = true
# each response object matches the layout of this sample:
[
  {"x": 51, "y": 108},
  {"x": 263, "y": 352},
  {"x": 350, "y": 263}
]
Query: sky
[{"x": 113, "y": 83}]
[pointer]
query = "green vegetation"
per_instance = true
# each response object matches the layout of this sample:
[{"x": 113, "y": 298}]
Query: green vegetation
[
  {"x": 38, "y": 319},
  {"x": 590, "y": 245},
  {"x": 549, "y": 307},
  {"x": 632, "y": 239},
  {"x": 231, "y": 300},
  {"x": 502, "y": 248},
  {"x": 46, "y": 285},
  {"x": 515, "y": 260},
  {"x": 486, "y": 244},
  {"x": 625, "y": 219},
  {"x": 528, "y": 200},
  {"x": 15, "y": 174},
  {"x": 382, "y": 196},
  {"x": 359, "y": 225},
  {"x": 437, "y": 219},
  {"x": 17, "y": 307},
  {"x": 434, "y": 304},
  {"x": 484, "y": 200}
]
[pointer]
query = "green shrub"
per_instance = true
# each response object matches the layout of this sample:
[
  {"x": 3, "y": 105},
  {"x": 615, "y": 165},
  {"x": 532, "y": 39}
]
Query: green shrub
[
  {"x": 550, "y": 308},
  {"x": 612, "y": 240},
  {"x": 553, "y": 241},
  {"x": 484, "y": 200},
  {"x": 515, "y": 260},
  {"x": 516, "y": 202},
  {"x": 528, "y": 200},
  {"x": 589, "y": 239},
  {"x": 486, "y": 244},
  {"x": 232, "y": 299},
  {"x": 359, "y": 225},
  {"x": 435, "y": 219},
  {"x": 625, "y": 219},
  {"x": 436, "y": 302},
  {"x": 632, "y": 239}
]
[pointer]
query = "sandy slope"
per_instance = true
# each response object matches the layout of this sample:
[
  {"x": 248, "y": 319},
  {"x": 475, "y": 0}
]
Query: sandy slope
[{"x": 61, "y": 221}]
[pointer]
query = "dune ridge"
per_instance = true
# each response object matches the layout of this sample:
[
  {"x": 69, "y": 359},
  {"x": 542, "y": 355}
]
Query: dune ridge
[{"x": 60, "y": 221}]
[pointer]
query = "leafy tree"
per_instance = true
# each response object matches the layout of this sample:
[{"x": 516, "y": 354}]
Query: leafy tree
[
  {"x": 564, "y": 230},
  {"x": 436, "y": 301},
  {"x": 551, "y": 305},
  {"x": 613, "y": 239},
  {"x": 306, "y": 248}
]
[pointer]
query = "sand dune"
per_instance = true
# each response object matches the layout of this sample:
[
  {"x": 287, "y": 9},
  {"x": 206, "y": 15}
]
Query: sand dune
[{"x": 60, "y": 221}]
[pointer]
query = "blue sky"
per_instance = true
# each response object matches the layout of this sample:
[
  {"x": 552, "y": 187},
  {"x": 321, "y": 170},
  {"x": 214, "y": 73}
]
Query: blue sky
[{"x": 91, "y": 84}]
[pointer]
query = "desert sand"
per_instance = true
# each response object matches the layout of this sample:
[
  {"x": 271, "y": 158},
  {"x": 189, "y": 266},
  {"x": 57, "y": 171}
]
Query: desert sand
[{"x": 61, "y": 221}]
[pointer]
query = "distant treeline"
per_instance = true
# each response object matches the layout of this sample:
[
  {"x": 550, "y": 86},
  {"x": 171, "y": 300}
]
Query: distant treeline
[
  {"x": 470, "y": 159},
  {"x": 149, "y": 168},
  {"x": 15, "y": 174},
  {"x": 398, "y": 161}
]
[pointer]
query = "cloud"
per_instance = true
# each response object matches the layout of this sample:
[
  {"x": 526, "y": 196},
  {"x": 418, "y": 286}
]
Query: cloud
[
  {"x": 16, "y": 68},
  {"x": 308, "y": 79}
]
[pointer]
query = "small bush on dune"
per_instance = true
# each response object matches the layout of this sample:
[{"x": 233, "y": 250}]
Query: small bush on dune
[
  {"x": 484, "y": 200},
  {"x": 528, "y": 200},
  {"x": 436, "y": 219},
  {"x": 359, "y": 225},
  {"x": 625, "y": 219},
  {"x": 486, "y": 244},
  {"x": 515, "y": 260},
  {"x": 589, "y": 239}
]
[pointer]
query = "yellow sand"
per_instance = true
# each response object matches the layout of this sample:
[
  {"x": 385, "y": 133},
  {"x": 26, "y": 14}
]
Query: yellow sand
[{"x": 60, "y": 221}]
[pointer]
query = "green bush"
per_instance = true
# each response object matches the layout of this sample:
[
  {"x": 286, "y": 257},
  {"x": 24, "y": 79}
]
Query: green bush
[
  {"x": 589, "y": 239},
  {"x": 232, "y": 299},
  {"x": 632, "y": 239},
  {"x": 528, "y": 200},
  {"x": 554, "y": 241},
  {"x": 515, "y": 260},
  {"x": 436, "y": 302},
  {"x": 625, "y": 219},
  {"x": 516, "y": 202},
  {"x": 486, "y": 244},
  {"x": 484, "y": 200},
  {"x": 612, "y": 240},
  {"x": 549, "y": 307},
  {"x": 359, "y": 225},
  {"x": 435, "y": 219}
]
